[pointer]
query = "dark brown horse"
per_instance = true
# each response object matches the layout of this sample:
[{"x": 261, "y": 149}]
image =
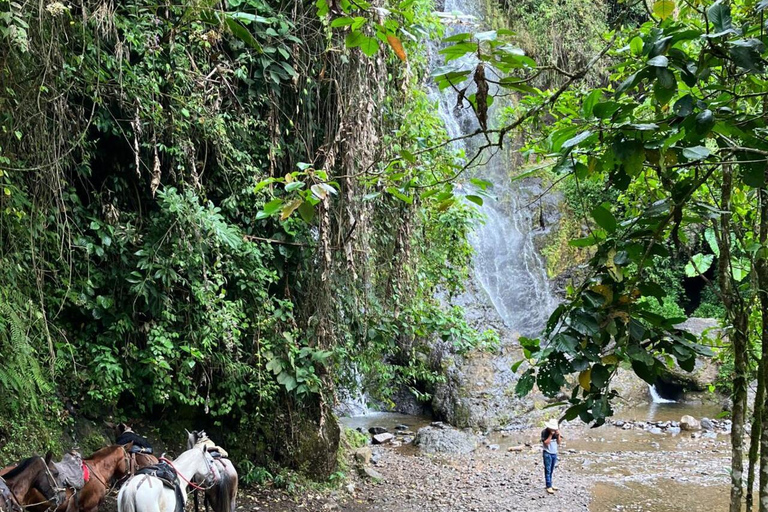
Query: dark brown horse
[
  {"x": 104, "y": 466},
  {"x": 34, "y": 482}
]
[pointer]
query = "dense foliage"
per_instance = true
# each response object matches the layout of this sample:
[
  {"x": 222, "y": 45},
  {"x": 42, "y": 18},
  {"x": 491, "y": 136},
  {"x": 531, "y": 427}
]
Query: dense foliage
[{"x": 149, "y": 265}]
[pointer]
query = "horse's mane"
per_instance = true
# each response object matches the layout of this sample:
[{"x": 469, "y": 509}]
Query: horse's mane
[
  {"x": 23, "y": 465},
  {"x": 103, "y": 452}
]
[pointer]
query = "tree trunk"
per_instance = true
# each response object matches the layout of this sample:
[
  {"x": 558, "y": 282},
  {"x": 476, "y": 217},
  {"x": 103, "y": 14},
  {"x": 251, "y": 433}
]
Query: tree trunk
[
  {"x": 761, "y": 267},
  {"x": 755, "y": 437},
  {"x": 737, "y": 315}
]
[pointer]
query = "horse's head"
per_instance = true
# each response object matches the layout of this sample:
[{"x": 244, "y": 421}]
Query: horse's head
[
  {"x": 123, "y": 460},
  {"x": 207, "y": 474},
  {"x": 195, "y": 437},
  {"x": 47, "y": 480}
]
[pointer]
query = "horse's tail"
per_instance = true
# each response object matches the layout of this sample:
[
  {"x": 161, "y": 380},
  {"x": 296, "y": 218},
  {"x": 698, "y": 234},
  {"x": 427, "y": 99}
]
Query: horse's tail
[
  {"x": 126, "y": 501},
  {"x": 225, "y": 493}
]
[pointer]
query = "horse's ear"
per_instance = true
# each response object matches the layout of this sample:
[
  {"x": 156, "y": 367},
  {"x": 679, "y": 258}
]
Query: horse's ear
[
  {"x": 127, "y": 447},
  {"x": 48, "y": 457}
]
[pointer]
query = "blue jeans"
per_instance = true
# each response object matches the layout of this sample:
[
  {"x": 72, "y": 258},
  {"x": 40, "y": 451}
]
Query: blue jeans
[{"x": 550, "y": 459}]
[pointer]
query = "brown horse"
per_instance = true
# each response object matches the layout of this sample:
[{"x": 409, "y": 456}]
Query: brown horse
[
  {"x": 38, "y": 475},
  {"x": 103, "y": 466}
]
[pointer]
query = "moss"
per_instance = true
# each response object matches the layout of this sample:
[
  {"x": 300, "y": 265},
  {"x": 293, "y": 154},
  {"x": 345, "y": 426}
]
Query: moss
[{"x": 23, "y": 436}]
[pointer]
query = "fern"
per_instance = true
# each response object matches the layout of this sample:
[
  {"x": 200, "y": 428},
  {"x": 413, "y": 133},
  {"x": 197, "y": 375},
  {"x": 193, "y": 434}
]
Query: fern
[{"x": 20, "y": 372}]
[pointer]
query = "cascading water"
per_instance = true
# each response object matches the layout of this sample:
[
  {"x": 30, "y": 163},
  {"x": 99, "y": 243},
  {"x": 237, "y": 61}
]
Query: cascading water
[
  {"x": 656, "y": 397},
  {"x": 506, "y": 264}
]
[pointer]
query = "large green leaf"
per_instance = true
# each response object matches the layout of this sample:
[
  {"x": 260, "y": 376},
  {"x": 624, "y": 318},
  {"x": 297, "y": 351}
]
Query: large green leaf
[
  {"x": 604, "y": 218},
  {"x": 664, "y": 8},
  {"x": 699, "y": 264},
  {"x": 719, "y": 14}
]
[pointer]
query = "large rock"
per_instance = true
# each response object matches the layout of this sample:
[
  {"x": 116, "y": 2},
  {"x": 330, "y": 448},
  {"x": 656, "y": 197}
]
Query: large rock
[
  {"x": 363, "y": 455},
  {"x": 370, "y": 473},
  {"x": 383, "y": 438},
  {"x": 445, "y": 440},
  {"x": 707, "y": 424},
  {"x": 689, "y": 423}
]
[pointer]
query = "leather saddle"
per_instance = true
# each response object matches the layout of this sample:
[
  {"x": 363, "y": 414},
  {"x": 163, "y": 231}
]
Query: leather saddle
[{"x": 167, "y": 475}]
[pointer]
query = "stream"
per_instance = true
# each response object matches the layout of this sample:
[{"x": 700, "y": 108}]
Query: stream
[{"x": 624, "y": 470}]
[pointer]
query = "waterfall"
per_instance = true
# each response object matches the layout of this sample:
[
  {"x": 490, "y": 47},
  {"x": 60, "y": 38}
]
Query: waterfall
[
  {"x": 657, "y": 398},
  {"x": 506, "y": 265},
  {"x": 353, "y": 402}
]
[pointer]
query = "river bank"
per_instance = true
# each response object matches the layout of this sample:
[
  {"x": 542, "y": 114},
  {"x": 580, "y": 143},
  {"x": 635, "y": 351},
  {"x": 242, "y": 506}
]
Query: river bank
[{"x": 610, "y": 469}]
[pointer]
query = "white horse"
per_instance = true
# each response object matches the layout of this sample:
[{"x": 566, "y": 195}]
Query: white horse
[{"x": 146, "y": 493}]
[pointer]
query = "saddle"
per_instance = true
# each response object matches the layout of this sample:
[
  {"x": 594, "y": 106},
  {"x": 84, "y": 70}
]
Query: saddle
[
  {"x": 8, "y": 502},
  {"x": 167, "y": 475}
]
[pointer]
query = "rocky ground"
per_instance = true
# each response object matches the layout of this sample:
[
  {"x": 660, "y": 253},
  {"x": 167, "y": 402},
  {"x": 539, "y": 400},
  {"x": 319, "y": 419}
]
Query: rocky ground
[
  {"x": 636, "y": 466},
  {"x": 486, "y": 481}
]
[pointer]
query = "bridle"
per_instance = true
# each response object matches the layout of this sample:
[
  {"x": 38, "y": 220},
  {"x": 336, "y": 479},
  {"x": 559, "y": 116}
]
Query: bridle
[{"x": 57, "y": 490}]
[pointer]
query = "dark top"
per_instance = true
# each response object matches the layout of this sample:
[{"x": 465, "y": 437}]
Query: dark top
[
  {"x": 553, "y": 444},
  {"x": 136, "y": 439}
]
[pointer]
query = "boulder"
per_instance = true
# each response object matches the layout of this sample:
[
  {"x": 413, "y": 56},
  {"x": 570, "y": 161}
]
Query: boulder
[
  {"x": 363, "y": 455},
  {"x": 401, "y": 427},
  {"x": 377, "y": 430},
  {"x": 707, "y": 424},
  {"x": 370, "y": 473},
  {"x": 689, "y": 423},
  {"x": 445, "y": 440},
  {"x": 383, "y": 438}
]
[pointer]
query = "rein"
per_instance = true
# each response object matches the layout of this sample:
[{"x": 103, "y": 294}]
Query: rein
[
  {"x": 192, "y": 484},
  {"x": 54, "y": 485}
]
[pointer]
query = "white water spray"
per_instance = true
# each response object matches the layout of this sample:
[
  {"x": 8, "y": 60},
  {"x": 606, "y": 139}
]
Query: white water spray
[{"x": 657, "y": 398}]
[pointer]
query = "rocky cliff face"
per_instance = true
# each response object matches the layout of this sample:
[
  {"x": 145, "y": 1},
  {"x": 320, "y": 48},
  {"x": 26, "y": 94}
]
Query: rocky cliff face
[{"x": 480, "y": 385}]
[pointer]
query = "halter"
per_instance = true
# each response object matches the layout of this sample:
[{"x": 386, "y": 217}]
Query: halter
[
  {"x": 192, "y": 484},
  {"x": 54, "y": 485}
]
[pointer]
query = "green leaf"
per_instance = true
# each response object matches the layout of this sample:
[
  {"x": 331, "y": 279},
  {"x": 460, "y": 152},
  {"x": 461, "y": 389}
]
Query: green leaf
[
  {"x": 604, "y": 218},
  {"x": 587, "y": 107},
  {"x": 719, "y": 15},
  {"x": 307, "y": 212},
  {"x": 740, "y": 268},
  {"x": 709, "y": 236},
  {"x": 242, "y": 33},
  {"x": 369, "y": 46},
  {"x": 636, "y": 46},
  {"x": 696, "y": 153},
  {"x": 475, "y": 199},
  {"x": 269, "y": 209},
  {"x": 664, "y": 8},
  {"x": 699, "y": 264},
  {"x": 398, "y": 194},
  {"x": 600, "y": 375},
  {"x": 660, "y": 61},
  {"x": 524, "y": 384},
  {"x": 344, "y": 21},
  {"x": 574, "y": 141}
]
